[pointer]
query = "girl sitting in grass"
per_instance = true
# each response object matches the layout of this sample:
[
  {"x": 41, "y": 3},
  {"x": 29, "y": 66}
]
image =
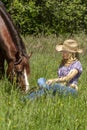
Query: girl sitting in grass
[{"x": 69, "y": 72}]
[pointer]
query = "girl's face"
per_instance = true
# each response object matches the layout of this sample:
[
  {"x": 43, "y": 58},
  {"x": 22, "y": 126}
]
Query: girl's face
[{"x": 66, "y": 55}]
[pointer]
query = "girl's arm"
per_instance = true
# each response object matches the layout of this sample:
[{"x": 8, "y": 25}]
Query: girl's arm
[{"x": 66, "y": 78}]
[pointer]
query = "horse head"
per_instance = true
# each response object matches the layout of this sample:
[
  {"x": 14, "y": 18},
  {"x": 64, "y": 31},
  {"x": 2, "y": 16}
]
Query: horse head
[{"x": 19, "y": 71}]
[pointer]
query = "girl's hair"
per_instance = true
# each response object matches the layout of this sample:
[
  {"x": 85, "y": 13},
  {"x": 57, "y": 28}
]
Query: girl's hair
[{"x": 74, "y": 57}]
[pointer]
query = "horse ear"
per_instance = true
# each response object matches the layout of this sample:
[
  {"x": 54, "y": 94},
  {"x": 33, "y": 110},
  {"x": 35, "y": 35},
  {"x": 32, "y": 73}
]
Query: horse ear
[{"x": 30, "y": 54}]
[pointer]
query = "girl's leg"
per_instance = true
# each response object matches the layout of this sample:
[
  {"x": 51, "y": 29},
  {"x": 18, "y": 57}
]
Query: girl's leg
[
  {"x": 72, "y": 91},
  {"x": 56, "y": 87},
  {"x": 64, "y": 90},
  {"x": 43, "y": 89},
  {"x": 35, "y": 94},
  {"x": 42, "y": 84}
]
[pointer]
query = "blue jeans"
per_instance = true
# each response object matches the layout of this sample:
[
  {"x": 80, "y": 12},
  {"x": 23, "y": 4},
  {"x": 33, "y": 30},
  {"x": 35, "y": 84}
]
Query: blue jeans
[{"x": 44, "y": 89}]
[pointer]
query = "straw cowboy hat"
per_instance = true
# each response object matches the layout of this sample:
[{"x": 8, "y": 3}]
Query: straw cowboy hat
[{"x": 69, "y": 45}]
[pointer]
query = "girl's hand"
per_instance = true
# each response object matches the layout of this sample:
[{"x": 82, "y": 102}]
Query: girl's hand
[{"x": 50, "y": 81}]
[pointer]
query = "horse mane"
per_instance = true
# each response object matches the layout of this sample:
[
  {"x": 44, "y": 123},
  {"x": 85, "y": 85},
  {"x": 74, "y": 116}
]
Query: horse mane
[{"x": 12, "y": 29}]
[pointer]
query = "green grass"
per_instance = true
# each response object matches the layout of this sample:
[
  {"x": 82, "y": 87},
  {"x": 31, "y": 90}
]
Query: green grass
[{"x": 45, "y": 113}]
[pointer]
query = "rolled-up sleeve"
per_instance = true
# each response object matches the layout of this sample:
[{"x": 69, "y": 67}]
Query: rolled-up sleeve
[{"x": 77, "y": 65}]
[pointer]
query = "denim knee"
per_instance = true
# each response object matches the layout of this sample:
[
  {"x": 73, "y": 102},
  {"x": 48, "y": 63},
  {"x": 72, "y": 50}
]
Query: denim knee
[{"x": 42, "y": 84}]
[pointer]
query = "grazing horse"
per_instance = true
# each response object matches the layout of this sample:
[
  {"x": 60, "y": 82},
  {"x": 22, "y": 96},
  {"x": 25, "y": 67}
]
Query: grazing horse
[{"x": 12, "y": 49}]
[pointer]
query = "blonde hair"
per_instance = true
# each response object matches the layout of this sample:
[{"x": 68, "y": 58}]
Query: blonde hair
[{"x": 72, "y": 57}]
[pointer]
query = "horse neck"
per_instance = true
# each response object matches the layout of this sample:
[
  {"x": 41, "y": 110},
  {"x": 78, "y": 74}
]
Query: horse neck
[
  {"x": 7, "y": 43},
  {"x": 10, "y": 39}
]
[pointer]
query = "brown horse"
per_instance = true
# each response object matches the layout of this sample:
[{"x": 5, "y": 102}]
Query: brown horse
[{"x": 12, "y": 49}]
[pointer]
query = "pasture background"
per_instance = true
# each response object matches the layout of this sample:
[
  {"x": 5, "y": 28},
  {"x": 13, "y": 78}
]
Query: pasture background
[
  {"x": 45, "y": 113},
  {"x": 48, "y": 16}
]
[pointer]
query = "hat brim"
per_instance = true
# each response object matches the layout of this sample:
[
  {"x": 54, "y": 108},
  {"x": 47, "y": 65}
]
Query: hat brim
[{"x": 60, "y": 48}]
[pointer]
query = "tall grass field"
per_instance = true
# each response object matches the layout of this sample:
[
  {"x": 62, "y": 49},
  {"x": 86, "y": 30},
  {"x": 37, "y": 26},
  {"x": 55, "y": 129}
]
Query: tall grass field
[{"x": 46, "y": 112}]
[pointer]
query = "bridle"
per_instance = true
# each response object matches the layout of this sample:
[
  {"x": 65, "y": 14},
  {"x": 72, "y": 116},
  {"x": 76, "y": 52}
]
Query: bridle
[
  {"x": 19, "y": 61},
  {"x": 14, "y": 72}
]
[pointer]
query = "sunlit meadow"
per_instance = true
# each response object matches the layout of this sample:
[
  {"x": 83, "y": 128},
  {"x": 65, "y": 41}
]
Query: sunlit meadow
[{"x": 46, "y": 112}]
